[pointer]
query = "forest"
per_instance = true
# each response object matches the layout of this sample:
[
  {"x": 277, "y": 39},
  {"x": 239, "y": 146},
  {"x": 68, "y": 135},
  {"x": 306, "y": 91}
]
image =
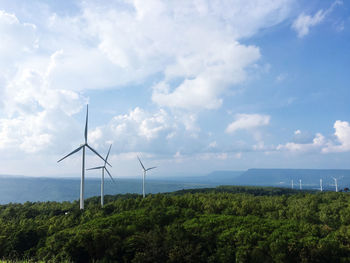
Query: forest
[{"x": 223, "y": 224}]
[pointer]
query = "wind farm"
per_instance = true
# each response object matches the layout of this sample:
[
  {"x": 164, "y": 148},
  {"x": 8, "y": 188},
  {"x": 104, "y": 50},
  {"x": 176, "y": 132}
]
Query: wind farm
[
  {"x": 102, "y": 168},
  {"x": 174, "y": 131}
]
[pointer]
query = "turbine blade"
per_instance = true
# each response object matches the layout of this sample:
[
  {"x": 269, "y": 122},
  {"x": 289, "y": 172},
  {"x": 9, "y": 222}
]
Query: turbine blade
[
  {"x": 151, "y": 168},
  {"x": 96, "y": 168},
  {"x": 86, "y": 123},
  {"x": 110, "y": 175},
  {"x": 108, "y": 152},
  {"x": 76, "y": 150},
  {"x": 94, "y": 151},
  {"x": 141, "y": 163}
]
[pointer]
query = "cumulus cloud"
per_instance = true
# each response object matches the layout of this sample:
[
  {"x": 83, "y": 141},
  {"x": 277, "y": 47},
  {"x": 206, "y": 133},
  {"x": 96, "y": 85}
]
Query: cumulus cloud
[
  {"x": 194, "y": 54},
  {"x": 195, "y": 47},
  {"x": 33, "y": 113},
  {"x": 158, "y": 131},
  {"x": 342, "y": 135},
  {"x": 317, "y": 143},
  {"x": 18, "y": 38},
  {"x": 248, "y": 122},
  {"x": 138, "y": 130},
  {"x": 192, "y": 58},
  {"x": 203, "y": 84},
  {"x": 304, "y": 22},
  {"x": 303, "y": 142}
]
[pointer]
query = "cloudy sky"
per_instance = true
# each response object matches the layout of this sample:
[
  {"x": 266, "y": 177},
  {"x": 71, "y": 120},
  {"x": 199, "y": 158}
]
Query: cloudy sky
[{"x": 191, "y": 86}]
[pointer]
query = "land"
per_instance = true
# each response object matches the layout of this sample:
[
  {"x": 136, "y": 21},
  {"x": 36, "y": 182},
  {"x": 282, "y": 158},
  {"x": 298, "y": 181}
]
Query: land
[{"x": 221, "y": 224}]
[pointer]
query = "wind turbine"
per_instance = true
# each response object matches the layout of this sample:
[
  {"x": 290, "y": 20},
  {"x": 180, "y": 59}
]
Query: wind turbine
[
  {"x": 300, "y": 187},
  {"x": 144, "y": 175},
  {"x": 82, "y": 146},
  {"x": 321, "y": 187},
  {"x": 292, "y": 184},
  {"x": 336, "y": 183},
  {"x": 103, "y": 168}
]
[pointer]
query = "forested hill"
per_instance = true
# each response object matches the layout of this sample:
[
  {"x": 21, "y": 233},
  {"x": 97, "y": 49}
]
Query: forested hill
[{"x": 225, "y": 224}]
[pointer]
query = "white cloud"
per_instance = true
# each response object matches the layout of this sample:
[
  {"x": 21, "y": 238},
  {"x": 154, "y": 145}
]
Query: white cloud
[
  {"x": 342, "y": 135},
  {"x": 34, "y": 114},
  {"x": 203, "y": 83},
  {"x": 304, "y": 22},
  {"x": 248, "y": 122},
  {"x": 194, "y": 53},
  {"x": 136, "y": 131},
  {"x": 317, "y": 143},
  {"x": 18, "y": 39},
  {"x": 302, "y": 141},
  {"x": 194, "y": 56},
  {"x": 195, "y": 47}
]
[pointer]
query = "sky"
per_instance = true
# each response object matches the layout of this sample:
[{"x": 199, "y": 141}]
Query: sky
[{"x": 189, "y": 86}]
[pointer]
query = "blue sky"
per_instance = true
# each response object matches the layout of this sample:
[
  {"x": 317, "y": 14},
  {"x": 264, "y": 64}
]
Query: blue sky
[{"x": 190, "y": 86}]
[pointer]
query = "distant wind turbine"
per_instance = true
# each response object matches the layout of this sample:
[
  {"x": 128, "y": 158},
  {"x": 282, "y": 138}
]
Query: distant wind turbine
[
  {"x": 292, "y": 184},
  {"x": 300, "y": 187},
  {"x": 144, "y": 175},
  {"x": 83, "y": 161},
  {"x": 103, "y": 168},
  {"x": 336, "y": 183},
  {"x": 321, "y": 186}
]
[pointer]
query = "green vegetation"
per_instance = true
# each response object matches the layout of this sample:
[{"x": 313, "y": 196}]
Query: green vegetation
[{"x": 224, "y": 224}]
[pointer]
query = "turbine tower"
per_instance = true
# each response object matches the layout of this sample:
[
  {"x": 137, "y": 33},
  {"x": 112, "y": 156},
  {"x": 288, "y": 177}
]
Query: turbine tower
[
  {"x": 144, "y": 175},
  {"x": 83, "y": 146},
  {"x": 336, "y": 183},
  {"x": 103, "y": 168},
  {"x": 300, "y": 187},
  {"x": 292, "y": 184},
  {"x": 321, "y": 187}
]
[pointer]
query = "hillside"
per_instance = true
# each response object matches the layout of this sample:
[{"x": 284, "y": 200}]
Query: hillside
[{"x": 223, "y": 224}]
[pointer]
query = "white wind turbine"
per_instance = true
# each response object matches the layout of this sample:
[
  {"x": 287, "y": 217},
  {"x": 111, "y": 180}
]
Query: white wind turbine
[
  {"x": 83, "y": 160},
  {"x": 103, "y": 168},
  {"x": 321, "y": 186},
  {"x": 144, "y": 175},
  {"x": 336, "y": 183},
  {"x": 300, "y": 187},
  {"x": 292, "y": 184}
]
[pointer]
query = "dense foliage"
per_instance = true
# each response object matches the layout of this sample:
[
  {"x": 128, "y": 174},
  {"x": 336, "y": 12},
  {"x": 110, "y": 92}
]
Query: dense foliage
[{"x": 225, "y": 224}]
